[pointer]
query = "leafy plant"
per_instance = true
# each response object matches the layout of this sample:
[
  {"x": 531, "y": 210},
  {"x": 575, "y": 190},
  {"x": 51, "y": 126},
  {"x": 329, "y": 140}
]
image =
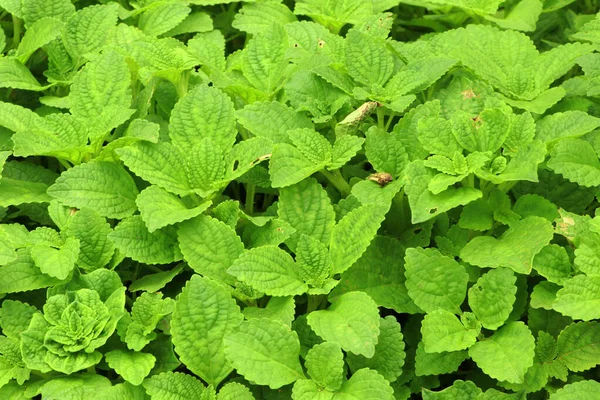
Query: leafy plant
[{"x": 299, "y": 200}]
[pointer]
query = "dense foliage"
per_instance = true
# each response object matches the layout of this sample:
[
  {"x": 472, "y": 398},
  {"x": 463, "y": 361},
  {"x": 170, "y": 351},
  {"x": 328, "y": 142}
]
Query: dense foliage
[{"x": 319, "y": 199}]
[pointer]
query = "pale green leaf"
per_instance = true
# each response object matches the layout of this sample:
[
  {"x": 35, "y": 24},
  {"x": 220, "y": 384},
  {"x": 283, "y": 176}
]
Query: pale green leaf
[
  {"x": 160, "y": 208},
  {"x": 307, "y": 208},
  {"x": 132, "y": 238},
  {"x": 265, "y": 352},
  {"x": 352, "y": 321},
  {"x": 434, "y": 281},
  {"x": 578, "y": 346},
  {"x": 13, "y": 74},
  {"x": 443, "y": 332},
  {"x": 254, "y": 18},
  {"x": 325, "y": 365},
  {"x": 234, "y": 391},
  {"x": 162, "y": 18},
  {"x": 101, "y": 91},
  {"x": 437, "y": 363},
  {"x": 522, "y": 17},
  {"x": 460, "y": 390},
  {"x": 37, "y": 35},
  {"x": 425, "y": 205},
  {"x": 54, "y": 261},
  {"x": 87, "y": 30},
  {"x": 270, "y": 270},
  {"x": 205, "y": 112},
  {"x": 272, "y": 120},
  {"x": 133, "y": 366},
  {"x": 389, "y": 352},
  {"x": 569, "y": 124},
  {"x": 154, "y": 282},
  {"x": 34, "y": 10},
  {"x": 352, "y": 235},
  {"x": 386, "y": 152},
  {"x": 552, "y": 262},
  {"x": 368, "y": 59},
  {"x": 366, "y": 384},
  {"x": 312, "y": 259},
  {"x": 205, "y": 314},
  {"x": 289, "y": 166},
  {"x": 579, "y": 298},
  {"x": 106, "y": 187},
  {"x": 344, "y": 149},
  {"x": 22, "y": 275},
  {"x": 160, "y": 164},
  {"x": 514, "y": 249},
  {"x": 507, "y": 354},
  {"x": 576, "y": 160},
  {"x": 264, "y": 58},
  {"x": 582, "y": 390},
  {"x": 174, "y": 386},
  {"x": 278, "y": 307},
  {"x": 210, "y": 247},
  {"x": 92, "y": 231},
  {"x": 492, "y": 297}
]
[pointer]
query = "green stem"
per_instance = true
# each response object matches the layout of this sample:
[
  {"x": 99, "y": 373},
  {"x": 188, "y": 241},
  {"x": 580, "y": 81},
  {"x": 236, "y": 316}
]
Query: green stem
[
  {"x": 182, "y": 84},
  {"x": 64, "y": 163},
  {"x": 389, "y": 121},
  {"x": 338, "y": 181},
  {"x": 17, "y": 24},
  {"x": 250, "y": 192},
  {"x": 381, "y": 117}
]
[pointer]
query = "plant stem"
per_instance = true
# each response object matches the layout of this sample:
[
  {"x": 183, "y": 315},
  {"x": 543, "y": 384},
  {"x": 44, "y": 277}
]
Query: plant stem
[
  {"x": 338, "y": 181},
  {"x": 250, "y": 192},
  {"x": 17, "y": 24}
]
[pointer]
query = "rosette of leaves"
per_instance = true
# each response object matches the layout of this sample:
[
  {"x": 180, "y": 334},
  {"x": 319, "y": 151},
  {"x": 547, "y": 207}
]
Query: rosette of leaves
[{"x": 73, "y": 326}]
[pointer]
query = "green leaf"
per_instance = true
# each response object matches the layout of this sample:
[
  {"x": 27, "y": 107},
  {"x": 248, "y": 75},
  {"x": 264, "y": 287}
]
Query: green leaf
[
  {"x": 92, "y": 231},
  {"x": 434, "y": 281},
  {"x": 197, "y": 239},
  {"x": 37, "y": 35},
  {"x": 194, "y": 22},
  {"x": 57, "y": 262},
  {"x": 514, "y": 249},
  {"x": 270, "y": 270},
  {"x": 272, "y": 120},
  {"x": 101, "y": 92},
  {"x": 174, "y": 386},
  {"x": 307, "y": 208},
  {"x": 577, "y": 161},
  {"x": 522, "y": 17},
  {"x": 234, "y": 391},
  {"x": 492, "y": 297},
  {"x": 368, "y": 59},
  {"x": 266, "y": 352},
  {"x": 15, "y": 75},
  {"x": 325, "y": 365},
  {"x": 87, "y": 30},
  {"x": 507, "y": 354},
  {"x": 570, "y": 124},
  {"x": 459, "y": 390},
  {"x": 344, "y": 149},
  {"x": 386, "y": 152},
  {"x": 352, "y": 321},
  {"x": 312, "y": 259},
  {"x": 133, "y": 239},
  {"x": 379, "y": 272},
  {"x": 425, "y": 205},
  {"x": 487, "y": 132},
  {"x": 352, "y": 235},
  {"x": 417, "y": 76},
  {"x": 264, "y": 58},
  {"x": 162, "y": 18},
  {"x": 553, "y": 263},
  {"x": 579, "y": 298},
  {"x": 254, "y": 18},
  {"x": 577, "y": 346},
  {"x": 131, "y": 365},
  {"x": 437, "y": 363},
  {"x": 289, "y": 166},
  {"x": 443, "y": 332},
  {"x": 154, "y": 282},
  {"x": 106, "y": 187},
  {"x": 278, "y": 308},
  {"x": 160, "y": 208},
  {"x": 205, "y": 314},
  {"x": 160, "y": 164},
  {"x": 389, "y": 352},
  {"x": 584, "y": 390},
  {"x": 367, "y": 384},
  {"x": 22, "y": 275},
  {"x": 36, "y": 9},
  {"x": 205, "y": 112}
]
